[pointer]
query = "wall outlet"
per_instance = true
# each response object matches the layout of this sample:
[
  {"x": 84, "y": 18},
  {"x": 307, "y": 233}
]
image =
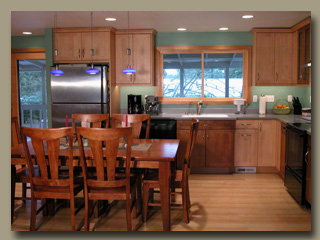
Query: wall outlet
[
  {"x": 289, "y": 98},
  {"x": 255, "y": 98},
  {"x": 270, "y": 98}
]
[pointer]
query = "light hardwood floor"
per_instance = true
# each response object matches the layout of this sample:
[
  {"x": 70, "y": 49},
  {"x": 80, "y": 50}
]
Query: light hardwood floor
[{"x": 231, "y": 202}]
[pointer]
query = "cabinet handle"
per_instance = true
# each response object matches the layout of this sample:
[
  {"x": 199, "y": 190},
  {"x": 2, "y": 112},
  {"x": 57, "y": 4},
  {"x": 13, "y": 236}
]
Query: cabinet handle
[
  {"x": 305, "y": 157},
  {"x": 205, "y": 125},
  {"x": 245, "y": 135},
  {"x": 79, "y": 53},
  {"x": 131, "y": 78},
  {"x": 260, "y": 127},
  {"x": 207, "y": 135},
  {"x": 203, "y": 135},
  {"x": 134, "y": 77},
  {"x": 56, "y": 52},
  {"x": 245, "y": 124},
  {"x": 276, "y": 77},
  {"x": 82, "y": 53},
  {"x": 258, "y": 77},
  {"x": 91, "y": 52}
]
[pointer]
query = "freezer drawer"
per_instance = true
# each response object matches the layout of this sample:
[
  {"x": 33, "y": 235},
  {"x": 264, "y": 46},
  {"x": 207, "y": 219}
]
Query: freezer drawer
[{"x": 59, "y": 112}]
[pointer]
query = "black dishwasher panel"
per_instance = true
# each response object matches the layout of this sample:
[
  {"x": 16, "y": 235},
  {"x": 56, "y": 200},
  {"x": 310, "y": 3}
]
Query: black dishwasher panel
[{"x": 161, "y": 129}]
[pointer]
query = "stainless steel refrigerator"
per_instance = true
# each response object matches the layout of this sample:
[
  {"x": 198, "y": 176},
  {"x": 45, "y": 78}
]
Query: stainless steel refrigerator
[{"x": 78, "y": 92}]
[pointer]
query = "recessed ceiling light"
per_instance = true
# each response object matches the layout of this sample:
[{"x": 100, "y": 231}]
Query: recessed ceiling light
[
  {"x": 223, "y": 29},
  {"x": 111, "y": 19},
  {"x": 181, "y": 29},
  {"x": 27, "y": 33},
  {"x": 247, "y": 16}
]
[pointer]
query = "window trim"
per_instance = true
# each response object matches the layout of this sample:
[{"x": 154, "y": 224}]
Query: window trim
[{"x": 245, "y": 50}]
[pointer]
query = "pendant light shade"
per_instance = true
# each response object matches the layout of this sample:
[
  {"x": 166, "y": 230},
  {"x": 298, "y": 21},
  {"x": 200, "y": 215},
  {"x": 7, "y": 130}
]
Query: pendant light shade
[
  {"x": 56, "y": 71},
  {"x": 128, "y": 70},
  {"x": 92, "y": 70}
]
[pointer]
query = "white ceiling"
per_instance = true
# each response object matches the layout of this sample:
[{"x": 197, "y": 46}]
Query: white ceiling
[{"x": 161, "y": 21}]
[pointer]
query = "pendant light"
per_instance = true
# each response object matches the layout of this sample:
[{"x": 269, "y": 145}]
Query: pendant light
[
  {"x": 128, "y": 70},
  {"x": 92, "y": 70},
  {"x": 56, "y": 71}
]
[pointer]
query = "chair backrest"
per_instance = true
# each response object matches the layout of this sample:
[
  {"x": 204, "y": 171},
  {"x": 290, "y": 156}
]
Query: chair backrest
[
  {"x": 134, "y": 121},
  {"x": 15, "y": 132},
  {"x": 192, "y": 138},
  {"x": 110, "y": 138},
  {"x": 46, "y": 142},
  {"x": 89, "y": 120}
]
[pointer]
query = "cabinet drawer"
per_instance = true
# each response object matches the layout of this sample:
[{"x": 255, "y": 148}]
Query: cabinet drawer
[
  {"x": 245, "y": 124},
  {"x": 209, "y": 124}
]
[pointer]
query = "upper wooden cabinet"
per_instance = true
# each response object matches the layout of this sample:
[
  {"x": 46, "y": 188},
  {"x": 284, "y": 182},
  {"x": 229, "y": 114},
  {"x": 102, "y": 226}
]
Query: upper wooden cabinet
[
  {"x": 141, "y": 43},
  {"x": 273, "y": 57},
  {"x": 73, "y": 45}
]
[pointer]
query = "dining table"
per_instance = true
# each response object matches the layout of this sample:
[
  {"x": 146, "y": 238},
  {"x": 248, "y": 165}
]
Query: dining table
[{"x": 158, "y": 154}]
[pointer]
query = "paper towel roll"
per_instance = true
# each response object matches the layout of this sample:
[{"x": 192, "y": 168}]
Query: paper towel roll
[{"x": 262, "y": 104}]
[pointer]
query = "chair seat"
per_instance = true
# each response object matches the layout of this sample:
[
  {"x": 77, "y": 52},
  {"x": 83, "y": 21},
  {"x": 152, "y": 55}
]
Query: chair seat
[{"x": 154, "y": 177}]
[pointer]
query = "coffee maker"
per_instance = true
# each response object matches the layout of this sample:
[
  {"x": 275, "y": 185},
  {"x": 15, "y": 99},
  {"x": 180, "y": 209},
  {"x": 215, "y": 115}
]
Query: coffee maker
[
  {"x": 134, "y": 104},
  {"x": 152, "y": 105}
]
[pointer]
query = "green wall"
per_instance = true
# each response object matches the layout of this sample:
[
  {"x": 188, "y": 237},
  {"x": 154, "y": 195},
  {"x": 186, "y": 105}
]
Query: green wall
[{"x": 28, "y": 42}]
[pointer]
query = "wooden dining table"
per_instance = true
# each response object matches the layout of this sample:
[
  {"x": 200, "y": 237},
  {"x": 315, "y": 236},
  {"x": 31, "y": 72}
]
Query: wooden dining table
[{"x": 158, "y": 154}]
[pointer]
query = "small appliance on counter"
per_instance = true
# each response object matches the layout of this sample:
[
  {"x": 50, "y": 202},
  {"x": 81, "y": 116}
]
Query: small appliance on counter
[
  {"x": 152, "y": 105},
  {"x": 241, "y": 104},
  {"x": 134, "y": 104}
]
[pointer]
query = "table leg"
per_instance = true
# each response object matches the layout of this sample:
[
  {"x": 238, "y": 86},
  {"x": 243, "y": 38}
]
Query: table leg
[{"x": 164, "y": 178}]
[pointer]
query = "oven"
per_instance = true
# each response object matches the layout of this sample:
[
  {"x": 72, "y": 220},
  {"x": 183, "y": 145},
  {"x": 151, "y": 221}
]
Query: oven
[{"x": 295, "y": 169}]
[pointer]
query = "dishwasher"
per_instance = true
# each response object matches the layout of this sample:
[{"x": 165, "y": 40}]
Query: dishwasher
[
  {"x": 160, "y": 129},
  {"x": 295, "y": 168}
]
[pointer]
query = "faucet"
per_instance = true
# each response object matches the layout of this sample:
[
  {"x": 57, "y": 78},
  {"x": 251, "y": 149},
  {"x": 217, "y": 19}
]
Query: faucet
[{"x": 199, "y": 104}]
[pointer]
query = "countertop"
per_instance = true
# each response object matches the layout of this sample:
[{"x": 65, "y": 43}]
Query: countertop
[{"x": 287, "y": 119}]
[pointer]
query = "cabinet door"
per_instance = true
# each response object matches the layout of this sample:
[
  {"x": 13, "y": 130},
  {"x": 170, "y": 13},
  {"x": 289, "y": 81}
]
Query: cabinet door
[
  {"x": 308, "y": 174},
  {"x": 100, "y": 45},
  {"x": 267, "y": 144},
  {"x": 122, "y": 58},
  {"x": 198, "y": 153},
  {"x": 67, "y": 47},
  {"x": 265, "y": 64},
  {"x": 219, "y": 148},
  {"x": 142, "y": 58},
  {"x": 246, "y": 148},
  {"x": 283, "y": 58}
]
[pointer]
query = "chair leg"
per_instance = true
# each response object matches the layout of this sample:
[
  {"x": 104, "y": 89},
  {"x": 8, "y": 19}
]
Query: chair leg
[
  {"x": 173, "y": 196},
  {"x": 128, "y": 214},
  {"x": 13, "y": 190},
  {"x": 145, "y": 202},
  {"x": 86, "y": 214},
  {"x": 73, "y": 226},
  {"x": 33, "y": 214},
  {"x": 24, "y": 191},
  {"x": 184, "y": 203},
  {"x": 139, "y": 194},
  {"x": 188, "y": 195}
]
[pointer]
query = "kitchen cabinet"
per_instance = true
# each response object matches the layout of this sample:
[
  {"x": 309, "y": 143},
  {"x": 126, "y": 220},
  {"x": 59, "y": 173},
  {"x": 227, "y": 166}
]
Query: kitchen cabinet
[
  {"x": 141, "y": 58},
  {"x": 304, "y": 36},
  {"x": 73, "y": 45},
  {"x": 308, "y": 173},
  {"x": 273, "y": 57},
  {"x": 257, "y": 144},
  {"x": 283, "y": 150},
  {"x": 213, "y": 151}
]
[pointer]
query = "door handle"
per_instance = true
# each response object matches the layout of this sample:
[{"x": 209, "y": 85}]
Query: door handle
[{"x": 306, "y": 157}]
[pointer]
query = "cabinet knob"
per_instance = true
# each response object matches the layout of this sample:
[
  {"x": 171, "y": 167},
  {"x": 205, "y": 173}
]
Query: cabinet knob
[{"x": 56, "y": 52}]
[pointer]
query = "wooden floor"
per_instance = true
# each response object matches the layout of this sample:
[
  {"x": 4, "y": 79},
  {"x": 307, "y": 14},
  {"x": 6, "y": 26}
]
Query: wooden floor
[{"x": 235, "y": 202}]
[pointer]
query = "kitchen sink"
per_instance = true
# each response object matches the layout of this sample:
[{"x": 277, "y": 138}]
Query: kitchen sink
[{"x": 213, "y": 115}]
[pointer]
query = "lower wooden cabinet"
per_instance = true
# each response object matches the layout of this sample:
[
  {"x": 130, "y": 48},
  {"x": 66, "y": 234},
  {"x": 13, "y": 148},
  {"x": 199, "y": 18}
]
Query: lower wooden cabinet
[
  {"x": 213, "y": 151},
  {"x": 308, "y": 174},
  {"x": 257, "y": 144}
]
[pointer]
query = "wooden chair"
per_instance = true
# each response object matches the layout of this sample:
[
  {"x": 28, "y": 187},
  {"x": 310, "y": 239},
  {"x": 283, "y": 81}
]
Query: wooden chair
[
  {"x": 179, "y": 179},
  {"x": 107, "y": 185},
  {"x": 132, "y": 120},
  {"x": 90, "y": 120},
  {"x": 49, "y": 184},
  {"x": 20, "y": 175}
]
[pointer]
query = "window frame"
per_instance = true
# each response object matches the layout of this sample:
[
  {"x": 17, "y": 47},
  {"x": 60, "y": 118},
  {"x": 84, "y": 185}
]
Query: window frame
[{"x": 245, "y": 50}]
